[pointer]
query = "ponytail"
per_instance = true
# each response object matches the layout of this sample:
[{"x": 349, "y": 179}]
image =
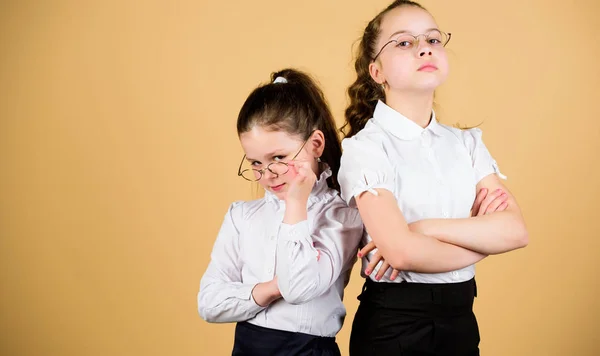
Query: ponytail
[{"x": 294, "y": 103}]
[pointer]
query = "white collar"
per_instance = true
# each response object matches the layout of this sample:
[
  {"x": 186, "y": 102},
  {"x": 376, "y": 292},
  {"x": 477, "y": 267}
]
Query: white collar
[{"x": 401, "y": 126}]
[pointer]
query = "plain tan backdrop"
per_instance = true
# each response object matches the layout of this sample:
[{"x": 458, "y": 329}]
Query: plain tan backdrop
[{"x": 118, "y": 156}]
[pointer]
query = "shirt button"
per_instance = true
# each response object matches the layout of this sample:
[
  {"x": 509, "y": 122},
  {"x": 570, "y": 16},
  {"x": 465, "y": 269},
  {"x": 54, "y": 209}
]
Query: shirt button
[
  {"x": 455, "y": 275},
  {"x": 270, "y": 270},
  {"x": 446, "y": 214}
]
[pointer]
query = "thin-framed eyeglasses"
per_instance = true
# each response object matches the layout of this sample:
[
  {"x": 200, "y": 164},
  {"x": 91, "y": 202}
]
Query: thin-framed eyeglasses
[
  {"x": 407, "y": 41},
  {"x": 278, "y": 167}
]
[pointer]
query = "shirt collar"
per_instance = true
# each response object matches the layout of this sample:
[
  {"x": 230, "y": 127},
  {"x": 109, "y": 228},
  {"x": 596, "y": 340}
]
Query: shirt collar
[
  {"x": 319, "y": 192},
  {"x": 401, "y": 126}
]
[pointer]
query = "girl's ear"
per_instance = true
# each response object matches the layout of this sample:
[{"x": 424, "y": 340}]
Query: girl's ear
[
  {"x": 376, "y": 73},
  {"x": 316, "y": 143}
]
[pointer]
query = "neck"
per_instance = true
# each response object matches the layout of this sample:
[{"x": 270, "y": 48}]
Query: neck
[{"x": 414, "y": 106}]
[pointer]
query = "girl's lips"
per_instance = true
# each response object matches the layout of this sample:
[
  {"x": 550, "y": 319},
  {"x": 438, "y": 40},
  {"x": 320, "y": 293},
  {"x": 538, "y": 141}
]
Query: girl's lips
[
  {"x": 427, "y": 67},
  {"x": 277, "y": 187}
]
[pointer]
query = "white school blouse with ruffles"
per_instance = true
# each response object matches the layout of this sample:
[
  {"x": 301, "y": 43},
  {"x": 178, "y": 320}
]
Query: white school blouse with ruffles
[
  {"x": 254, "y": 246},
  {"x": 432, "y": 172}
]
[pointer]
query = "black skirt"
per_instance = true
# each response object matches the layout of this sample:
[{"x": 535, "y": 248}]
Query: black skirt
[
  {"x": 415, "y": 319},
  {"x": 252, "y": 340}
]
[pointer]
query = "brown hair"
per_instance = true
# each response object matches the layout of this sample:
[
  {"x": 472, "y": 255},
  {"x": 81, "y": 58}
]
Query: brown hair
[
  {"x": 297, "y": 107},
  {"x": 365, "y": 92}
]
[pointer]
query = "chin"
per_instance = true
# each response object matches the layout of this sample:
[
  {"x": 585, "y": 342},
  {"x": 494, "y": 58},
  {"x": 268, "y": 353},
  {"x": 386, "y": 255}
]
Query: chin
[
  {"x": 280, "y": 195},
  {"x": 425, "y": 87},
  {"x": 430, "y": 83}
]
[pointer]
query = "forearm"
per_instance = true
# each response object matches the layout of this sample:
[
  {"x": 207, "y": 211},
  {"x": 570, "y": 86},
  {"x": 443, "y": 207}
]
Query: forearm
[
  {"x": 495, "y": 233},
  {"x": 303, "y": 272},
  {"x": 224, "y": 302},
  {"x": 420, "y": 253},
  {"x": 295, "y": 212},
  {"x": 402, "y": 248}
]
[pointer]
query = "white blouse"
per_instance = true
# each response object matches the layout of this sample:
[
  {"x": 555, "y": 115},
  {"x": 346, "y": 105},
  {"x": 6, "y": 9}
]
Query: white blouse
[
  {"x": 432, "y": 172},
  {"x": 254, "y": 245}
]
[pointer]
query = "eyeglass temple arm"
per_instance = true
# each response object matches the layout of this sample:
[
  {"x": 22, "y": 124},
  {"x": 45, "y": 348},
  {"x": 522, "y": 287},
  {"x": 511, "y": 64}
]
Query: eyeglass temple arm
[
  {"x": 304, "y": 144},
  {"x": 240, "y": 167},
  {"x": 382, "y": 48}
]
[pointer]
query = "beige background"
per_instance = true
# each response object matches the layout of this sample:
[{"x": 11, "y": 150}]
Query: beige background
[{"x": 118, "y": 155}]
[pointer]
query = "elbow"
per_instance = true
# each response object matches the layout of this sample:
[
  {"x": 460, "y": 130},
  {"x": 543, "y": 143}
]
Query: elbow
[
  {"x": 522, "y": 238},
  {"x": 206, "y": 311},
  {"x": 297, "y": 293},
  {"x": 207, "y": 316},
  {"x": 399, "y": 264},
  {"x": 204, "y": 314},
  {"x": 519, "y": 238},
  {"x": 295, "y": 299},
  {"x": 400, "y": 260},
  {"x": 211, "y": 315}
]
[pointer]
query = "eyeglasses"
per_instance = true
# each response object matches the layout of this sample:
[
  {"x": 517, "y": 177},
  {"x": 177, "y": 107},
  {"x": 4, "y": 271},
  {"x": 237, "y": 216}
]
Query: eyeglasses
[
  {"x": 406, "y": 41},
  {"x": 278, "y": 168}
]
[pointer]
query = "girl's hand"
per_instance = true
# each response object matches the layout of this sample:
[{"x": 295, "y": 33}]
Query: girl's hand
[
  {"x": 375, "y": 260},
  {"x": 266, "y": 293},
  {"x": 302, "y": 182},
  {"x": 487, "y": 203}
]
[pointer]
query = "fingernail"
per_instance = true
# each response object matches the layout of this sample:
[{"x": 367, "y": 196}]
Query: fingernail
[
  {"x": 367, "y": 271},
  {"x": 498, "y": 190},
  {"x": 378, "y": 278},
  {"x": 359, "y": 254}
]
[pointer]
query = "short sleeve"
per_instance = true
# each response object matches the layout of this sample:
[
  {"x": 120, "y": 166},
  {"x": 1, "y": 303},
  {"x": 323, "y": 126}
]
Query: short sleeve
[
  {"x": 483, "y": 162},
  {"x": 364, "y": 167}
]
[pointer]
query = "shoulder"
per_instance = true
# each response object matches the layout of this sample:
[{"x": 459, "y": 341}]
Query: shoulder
[
  {"x": 336, "y": 210},
  {"x": 245, "y": 210},
  {"x": 368, "y": 147},
  {"x": 370, "y": 136},
  {"x": 469, "y": 137}
]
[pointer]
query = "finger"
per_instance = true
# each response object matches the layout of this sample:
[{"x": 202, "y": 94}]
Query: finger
[
  {"x": 488, "y": 200},
  {"x": 495, "y": 204},
  {"x": 298, "y": 164},
  {"x": 292, "y": 171},
  {"x": 502, "y": 206},
  {"x": 478, "y": 199},
  {"x": 301, "y": 175},
  {"x": 374, "y": 261},
  {"x": 382, "y": 270},
  {"x": 305, "y": 172},
  {"x": 301, "y": 163},
  {"x": 480, "y": 196},
  {"x": 394, "y": 274},
  {"x": 368, "y": 248}
]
